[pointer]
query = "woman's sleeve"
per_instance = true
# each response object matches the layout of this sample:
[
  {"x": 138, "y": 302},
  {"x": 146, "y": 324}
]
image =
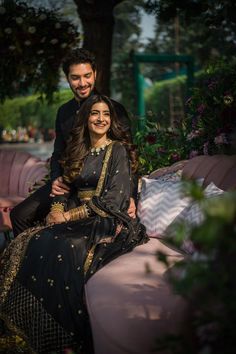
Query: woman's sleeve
[{"x": 116, "y": 191}]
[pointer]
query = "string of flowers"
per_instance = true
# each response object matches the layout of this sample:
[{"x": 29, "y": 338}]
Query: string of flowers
[{"x": 32, "y": 45}]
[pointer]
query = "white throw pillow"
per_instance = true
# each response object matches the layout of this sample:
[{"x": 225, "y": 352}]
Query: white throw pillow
[
  {"x": 159, "y": 204},
  {"x": 192, "y": 216}
]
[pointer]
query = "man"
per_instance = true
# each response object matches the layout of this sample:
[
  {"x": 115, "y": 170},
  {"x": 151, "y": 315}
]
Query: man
[{"x": 80, "y": 70}]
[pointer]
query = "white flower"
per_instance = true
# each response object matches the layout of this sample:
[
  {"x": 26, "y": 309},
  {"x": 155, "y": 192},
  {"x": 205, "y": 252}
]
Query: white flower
[
  {"x": 42, "y": 17},
  {"x": 63, "y": 45},
  {"x": 32, "y": 29},
  {"x": 2, "y": 10},
  {"x": 40, "y": 51},
  {"x": 12, "y": 47},
  {"x": 27, "y": 43},
  {"x": 8, "y": 30},
  {"x": 54, "y": 41},
  {"x": 57, "y": 25},
  {"x": 19, "y": 20},
  {"x": 70, "y": 30}
]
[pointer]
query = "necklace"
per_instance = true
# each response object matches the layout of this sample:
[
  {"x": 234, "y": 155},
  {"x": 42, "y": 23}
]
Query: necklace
[{"x": 96, "y": 150}]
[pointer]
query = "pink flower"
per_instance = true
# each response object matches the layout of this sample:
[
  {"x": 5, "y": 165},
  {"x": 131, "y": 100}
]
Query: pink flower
[
  {"x": 161, "y": 150},
  {"x": 193, "y": 153},
  {"x": 151, "y": 139},
  {"x": 201, "y": 108},
  {"x": 194, "y": 134},
  {"x": 175, "y": 156},
  {"x": 221, "y": 139},
  {"x": 212, "y": 85}
]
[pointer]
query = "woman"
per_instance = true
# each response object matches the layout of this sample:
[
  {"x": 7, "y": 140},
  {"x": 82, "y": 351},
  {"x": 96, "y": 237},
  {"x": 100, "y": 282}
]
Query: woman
[{"x": 44, "y": 270}]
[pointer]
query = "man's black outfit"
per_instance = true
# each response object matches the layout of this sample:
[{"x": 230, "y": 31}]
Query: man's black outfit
[{"x": 37, "y": 206}]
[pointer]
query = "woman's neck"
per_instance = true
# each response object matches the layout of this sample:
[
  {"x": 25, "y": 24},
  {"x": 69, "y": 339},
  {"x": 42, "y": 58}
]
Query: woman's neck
[{"x": 98, "y": 141}]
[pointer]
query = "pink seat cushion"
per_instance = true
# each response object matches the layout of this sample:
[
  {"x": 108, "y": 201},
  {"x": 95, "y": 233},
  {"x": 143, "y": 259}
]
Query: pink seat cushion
[
  {"x": 130, "y": 308},
  {"x": 9, "y": 201},
  {"x": 19, "y": 171}
]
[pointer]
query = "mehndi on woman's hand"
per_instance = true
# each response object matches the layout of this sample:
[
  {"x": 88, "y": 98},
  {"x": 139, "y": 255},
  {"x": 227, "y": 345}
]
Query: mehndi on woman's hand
[{"x": 55, "y": 217}]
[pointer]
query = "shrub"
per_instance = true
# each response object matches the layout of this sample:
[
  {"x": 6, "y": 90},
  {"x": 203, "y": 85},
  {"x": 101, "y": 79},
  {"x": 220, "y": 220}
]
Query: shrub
[
  {"x": 207, "y": 281},
  {"x": 208, "y": 127},
  {"x": 211, "y": 111},
  {"x": 157, "y": 98},
  {"x": 30, "y": 110}
]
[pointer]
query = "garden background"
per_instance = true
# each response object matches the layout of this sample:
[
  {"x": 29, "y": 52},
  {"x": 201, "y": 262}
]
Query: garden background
[{"x": 180, "y": 122}]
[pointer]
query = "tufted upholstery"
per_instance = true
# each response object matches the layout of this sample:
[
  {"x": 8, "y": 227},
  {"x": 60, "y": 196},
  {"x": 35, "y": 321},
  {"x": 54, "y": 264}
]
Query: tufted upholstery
[
  {"x": 130, "y": 302},
  {"x": 220, "y": 169},
  {"x": 18, "y": 172}
]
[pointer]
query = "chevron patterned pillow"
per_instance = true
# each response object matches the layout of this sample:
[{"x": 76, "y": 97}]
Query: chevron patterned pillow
[
  {"x": 159, "y": 204},
  {"x": 192, "y": 216}
]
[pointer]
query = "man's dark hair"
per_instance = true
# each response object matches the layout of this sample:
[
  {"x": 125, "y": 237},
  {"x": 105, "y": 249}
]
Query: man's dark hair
[{"x": 78, "y": 56}]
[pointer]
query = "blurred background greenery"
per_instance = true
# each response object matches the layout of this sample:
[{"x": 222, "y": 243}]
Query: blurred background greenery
[{"x": 35, "y": 35}]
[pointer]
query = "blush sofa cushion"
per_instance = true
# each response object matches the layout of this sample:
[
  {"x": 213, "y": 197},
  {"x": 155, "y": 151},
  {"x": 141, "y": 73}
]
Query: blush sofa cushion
[
  {"x": 19, "y": 171},
  {"x": 130, "y": 304}
]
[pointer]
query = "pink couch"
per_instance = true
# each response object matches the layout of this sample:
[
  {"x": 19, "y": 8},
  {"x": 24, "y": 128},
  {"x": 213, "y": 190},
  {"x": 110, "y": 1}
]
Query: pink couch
[
  {"x": 130, "y": 302},
  {"x": 19, "y": 171}
]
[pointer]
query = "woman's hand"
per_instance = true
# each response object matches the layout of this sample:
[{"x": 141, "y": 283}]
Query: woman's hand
[
  {"x": 132, "y": 209},
  {"x": 56, "y": 217}
]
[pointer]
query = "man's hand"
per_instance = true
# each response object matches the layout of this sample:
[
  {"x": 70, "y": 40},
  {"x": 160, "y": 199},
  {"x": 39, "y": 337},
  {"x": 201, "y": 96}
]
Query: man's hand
[
  {"x": 58, "y": 187},
  {"x": 132, "y": 208}
]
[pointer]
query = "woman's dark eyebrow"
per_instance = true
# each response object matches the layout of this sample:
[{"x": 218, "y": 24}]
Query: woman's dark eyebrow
[{"x": 96, "y": 110}]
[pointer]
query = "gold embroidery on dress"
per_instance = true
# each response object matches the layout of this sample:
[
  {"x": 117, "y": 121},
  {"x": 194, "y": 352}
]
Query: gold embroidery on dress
[
  {"x": 89, "y": 259},
  {"x": 86, "y": 195},
  {"x": 12, "y": 340},
  {"x": 90, "y": 255},
  {"x": 12, "y": 258},
  {"x": 20, "y": 295},
  {"x": 104, "y": 170},
  {"x": 101, "y": 182},
  {"x": 97, "y": 210}
]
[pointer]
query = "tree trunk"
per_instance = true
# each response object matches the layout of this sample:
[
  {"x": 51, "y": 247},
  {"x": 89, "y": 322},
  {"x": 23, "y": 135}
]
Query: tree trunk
[{"x": 98, "y": 24}]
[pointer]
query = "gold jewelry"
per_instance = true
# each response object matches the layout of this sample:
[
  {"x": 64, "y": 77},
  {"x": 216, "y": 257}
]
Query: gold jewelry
[
  {"x": 82, "y": 212},
  {"x": 57, "y": 207},
  {"x": 97, "y": 149}
]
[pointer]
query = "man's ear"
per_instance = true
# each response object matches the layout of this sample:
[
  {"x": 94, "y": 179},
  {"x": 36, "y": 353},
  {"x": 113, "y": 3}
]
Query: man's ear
[{"x": 95, "y": 74}]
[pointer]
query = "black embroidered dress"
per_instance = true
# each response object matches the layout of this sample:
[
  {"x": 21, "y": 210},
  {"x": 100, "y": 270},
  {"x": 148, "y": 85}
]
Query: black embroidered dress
[{"x": 43, "y": 270}]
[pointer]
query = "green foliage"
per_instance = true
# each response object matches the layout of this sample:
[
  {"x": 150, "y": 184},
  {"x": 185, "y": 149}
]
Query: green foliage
[
  {"x": 207, "y": 280},
  {"x": 30, "y": 110},
  {"x": 209, "y": 125},
  {"x": 178, "y": 29},
  {"x": 32, "y": 45},
  {"x": 159, "y": 147},
  {"x": 126, "y": 39},
  {"x": 207, "y": 11},
  {"x": 157, "y": 98},
  {"x": 211, "y": 122}
]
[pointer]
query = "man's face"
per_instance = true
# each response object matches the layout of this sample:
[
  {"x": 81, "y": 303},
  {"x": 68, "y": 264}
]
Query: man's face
[{"x": 81, "y": 79}]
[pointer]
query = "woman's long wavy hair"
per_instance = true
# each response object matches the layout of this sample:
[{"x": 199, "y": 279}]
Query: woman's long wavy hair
[{"x": 78, "y": 145}]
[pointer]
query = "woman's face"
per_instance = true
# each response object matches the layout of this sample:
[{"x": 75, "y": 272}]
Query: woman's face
[{"x": 99, "y": 120}]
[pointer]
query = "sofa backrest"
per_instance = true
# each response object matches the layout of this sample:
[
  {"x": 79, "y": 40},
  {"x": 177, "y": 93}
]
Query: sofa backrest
[
  {"x": 220, "y": 169},
  {"x": 19, "y": 171}
]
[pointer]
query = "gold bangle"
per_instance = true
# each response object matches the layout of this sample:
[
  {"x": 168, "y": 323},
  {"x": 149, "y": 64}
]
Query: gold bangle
[
  {"x": 82, "y": 212},
  {"x": 57, "y": 207}
]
